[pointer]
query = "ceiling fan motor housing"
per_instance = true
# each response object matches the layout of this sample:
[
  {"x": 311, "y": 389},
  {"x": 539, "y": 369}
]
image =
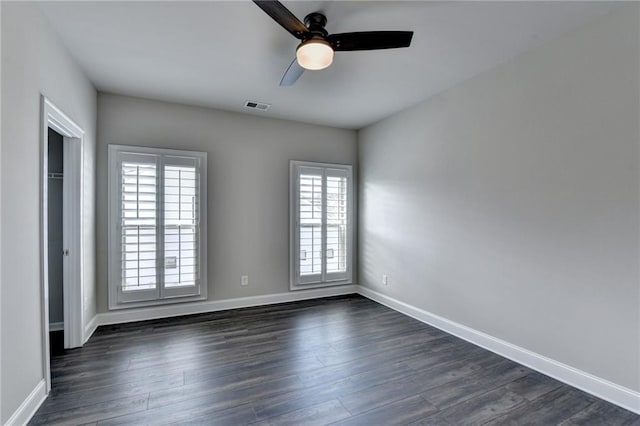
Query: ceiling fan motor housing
[{"x": 316, "y": 22}]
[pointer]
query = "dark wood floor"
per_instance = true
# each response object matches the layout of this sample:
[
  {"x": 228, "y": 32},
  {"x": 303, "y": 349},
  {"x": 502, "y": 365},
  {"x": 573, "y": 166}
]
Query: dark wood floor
[{"x": 344, "y": 360}]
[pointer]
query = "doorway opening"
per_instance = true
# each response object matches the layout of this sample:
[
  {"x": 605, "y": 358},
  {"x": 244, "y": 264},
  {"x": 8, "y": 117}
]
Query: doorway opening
[
  {"x": 61, "y": 234},
  {"x": 55, "y": 274}
]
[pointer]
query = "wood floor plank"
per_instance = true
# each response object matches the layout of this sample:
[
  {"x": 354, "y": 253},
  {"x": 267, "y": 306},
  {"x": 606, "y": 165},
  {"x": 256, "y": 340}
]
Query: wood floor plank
[
  {"x": 602, "y": 413},
  {"x": 341, "y": 359},
  {"x": 433, "y": 419},
  {"x": 379, "y": 395},
  {"x": 444, "y": 373},
  {"x": 363, "y": 364},
  {"x": 485, "y": 407},
  {"x": 90, "y": 413},
  {"x": 179, "y": 411},
  {"x": 551, "y": 408},
  {"x": 533, "y": 385},
  {"x": 89, "y": 383},
  {"x": 238, "y": 392},
  {"x": 397, "y": 413},
  {"x": 470, "y": 386},
  {"x": 428, "y": 359},
  {"x": 320, "y": 414},
  {"x": 279, "y": 405},
  {"x": 326, "y": 391},
  {"x": 253, "y": 369},
  {"x": 241, "y": 415}
]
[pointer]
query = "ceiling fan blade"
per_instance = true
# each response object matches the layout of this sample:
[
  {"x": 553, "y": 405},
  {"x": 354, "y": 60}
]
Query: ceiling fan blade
[
  {"x": 284, "y": 17},
  {"x": 370, "y": 40},
  {"x": 292, "y": 74}
]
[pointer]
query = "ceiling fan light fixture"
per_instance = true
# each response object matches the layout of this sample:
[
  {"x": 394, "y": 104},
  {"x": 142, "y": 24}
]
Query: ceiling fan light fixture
[{"x": 314, "y": 54}]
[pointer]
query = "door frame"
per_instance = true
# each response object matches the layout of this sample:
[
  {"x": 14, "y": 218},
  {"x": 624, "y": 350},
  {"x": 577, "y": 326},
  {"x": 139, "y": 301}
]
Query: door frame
[{"x": 73, "y": 231}]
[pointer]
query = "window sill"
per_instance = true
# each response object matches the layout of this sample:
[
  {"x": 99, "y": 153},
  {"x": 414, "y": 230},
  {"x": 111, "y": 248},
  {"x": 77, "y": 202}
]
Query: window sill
[
  {"x": 296, "y": 287},
  {"x": 159, "y": 302}
]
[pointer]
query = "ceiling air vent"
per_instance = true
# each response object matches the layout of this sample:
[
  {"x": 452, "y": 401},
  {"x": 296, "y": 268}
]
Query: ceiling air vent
[{"x": 256, "y": 105}]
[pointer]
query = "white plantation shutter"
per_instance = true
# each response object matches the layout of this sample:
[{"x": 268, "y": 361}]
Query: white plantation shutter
[
  {"x": 181, "y": 221},
  {"x": 156, "y": 246},
  {"x": 310, "y": 199},
  {"x": 337, "y": 235},
  {"x": 320, "y": 224},
  {"x": 138, "y": 216}
]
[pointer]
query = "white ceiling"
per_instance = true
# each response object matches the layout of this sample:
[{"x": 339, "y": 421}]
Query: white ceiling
[{"x": 220, "y": 54}]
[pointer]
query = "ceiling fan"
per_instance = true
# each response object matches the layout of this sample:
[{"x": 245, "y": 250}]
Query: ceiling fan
[{"x": 315, "y": 52}]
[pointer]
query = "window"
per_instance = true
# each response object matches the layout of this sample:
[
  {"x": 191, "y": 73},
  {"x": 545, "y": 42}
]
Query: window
[
  {"x": 157, "y": 215},
  {"x": 320, "y": 224}
]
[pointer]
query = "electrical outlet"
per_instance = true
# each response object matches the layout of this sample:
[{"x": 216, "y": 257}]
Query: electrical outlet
[
  {"x": 244, "y": 280},
  {"x": 385, "y": 279}
]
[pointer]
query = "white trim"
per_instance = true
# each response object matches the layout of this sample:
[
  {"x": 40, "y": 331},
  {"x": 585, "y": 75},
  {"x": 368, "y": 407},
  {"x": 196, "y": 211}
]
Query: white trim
[
  {"x": 56, "y": 326},
  {"x": 90, "y": 328},
  {"x": 0, "y": 230},
  {"x": 53, "y": 117},
  {"x": 72, "y": 205},
  {"x": 604, "y": 389},
  {"x": 156, "y": 312},
  {"x": 29, "y": 406}
]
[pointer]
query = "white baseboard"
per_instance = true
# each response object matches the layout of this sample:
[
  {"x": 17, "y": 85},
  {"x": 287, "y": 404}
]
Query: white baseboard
[
  {"x": 29, "y": 406},
  {"x": 89, "y": 329},
  {"x": 56, "y": 326},
  {"x": 165, "y": 311},
  {"x": 604, "y": 389}
]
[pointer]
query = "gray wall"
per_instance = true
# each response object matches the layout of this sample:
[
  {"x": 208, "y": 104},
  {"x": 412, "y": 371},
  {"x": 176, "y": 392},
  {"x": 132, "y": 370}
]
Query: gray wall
[
  {"x": 509, "y": 203},
  {"x": 54, "y": 227},
  {"x": 34, "y": 62},
  {"x": 248, "y": 189}
]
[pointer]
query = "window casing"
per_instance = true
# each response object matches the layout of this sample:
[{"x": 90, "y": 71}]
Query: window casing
[
  {"x": 321, "y": 224},
  {"x": 157, "y": 226}
]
